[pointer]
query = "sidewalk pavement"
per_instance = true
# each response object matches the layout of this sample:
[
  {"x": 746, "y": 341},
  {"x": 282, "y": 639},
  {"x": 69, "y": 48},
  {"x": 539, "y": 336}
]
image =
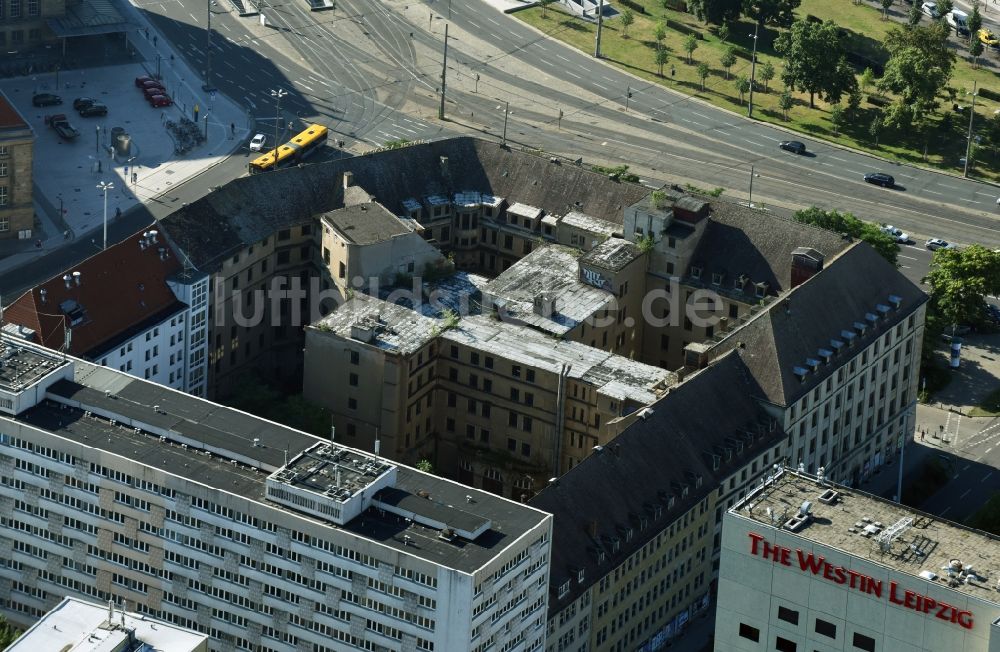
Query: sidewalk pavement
[
  {"x": 66, "y": 174},
  {"x": 977, "y": 376}
]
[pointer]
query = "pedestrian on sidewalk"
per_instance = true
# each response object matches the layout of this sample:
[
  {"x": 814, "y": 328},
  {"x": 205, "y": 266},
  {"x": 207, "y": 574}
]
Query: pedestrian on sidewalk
[
  {"x": 155, "y": 39},
  {"x": 147, "y": 33},
  {"x": 232, "y": 130},
  {"x": 118, "y": 212}
]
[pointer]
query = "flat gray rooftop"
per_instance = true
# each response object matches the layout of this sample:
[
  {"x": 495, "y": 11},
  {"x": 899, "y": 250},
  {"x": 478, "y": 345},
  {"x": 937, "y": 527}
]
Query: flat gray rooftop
[
  {"x": 855, "y": 521},
  {"x": 394, "y": 328},
  {"x": 551, "y": 270},
  {"x": 366, "y": 223},
  {"x": 216, "y": 435},
  {"x": 21, "y": 367},
  {"x": 338, "y": 470}
]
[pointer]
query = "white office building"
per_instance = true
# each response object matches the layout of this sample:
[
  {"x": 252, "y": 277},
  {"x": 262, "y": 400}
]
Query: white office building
[
  {"x": 808, "y": 566},
  {"x": 262, "y": 537}
]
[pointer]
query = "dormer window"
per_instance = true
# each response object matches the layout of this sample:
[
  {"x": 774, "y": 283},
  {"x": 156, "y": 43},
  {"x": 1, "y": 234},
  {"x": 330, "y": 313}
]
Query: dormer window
[
  {"x": 564, "y": 589},
  {"x": 695, "y": 272},
  {"x": 580, "y": 575},
  {"x": 616, "y": 544},
  {"x": 716, "y": 278},
  {"x": 760, "y": 289},
  {"x": 657, "y": 511},
  {"x": 601, "y": 556}
]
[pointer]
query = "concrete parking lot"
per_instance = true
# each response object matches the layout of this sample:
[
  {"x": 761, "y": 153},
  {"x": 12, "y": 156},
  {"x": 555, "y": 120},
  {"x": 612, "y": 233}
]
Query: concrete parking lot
[{"x": 67, "y": 173}]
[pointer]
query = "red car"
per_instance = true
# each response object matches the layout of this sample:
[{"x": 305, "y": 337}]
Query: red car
[
  {"x": 152, "y": 83},
  {"x": 139, "y": 81},
  {"x": 159, "y": 100},
  {"x": 150, "y": 91}
]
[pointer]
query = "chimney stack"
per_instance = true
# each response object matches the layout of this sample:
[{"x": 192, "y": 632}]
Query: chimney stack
[
  {"x": 68, "y": 280},
  {"x": 348, "y": 180},
  {"x": 76, "y": 278}
]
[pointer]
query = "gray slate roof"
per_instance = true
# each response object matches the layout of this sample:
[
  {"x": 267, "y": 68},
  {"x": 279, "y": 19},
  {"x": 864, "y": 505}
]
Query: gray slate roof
[
  {"x": 366, "y": 223},
  {"x": 643, "y": 466},
  {"x": 740, "y": 241},
  {"x": 797, "y": 325},
  {"x": 248, "y": 209}
]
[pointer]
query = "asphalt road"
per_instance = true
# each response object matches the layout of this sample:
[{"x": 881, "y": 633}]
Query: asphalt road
[{"x": 371, "y": 71}]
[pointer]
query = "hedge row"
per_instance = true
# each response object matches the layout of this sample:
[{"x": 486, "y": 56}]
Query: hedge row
[
  {"x": 988, "y": 94},
  {"x": 879, "y": 101},
  {"x": 684, "y": 29},
  {"x": 634, "y": 6},
  {"x": 676, "y": 5}
]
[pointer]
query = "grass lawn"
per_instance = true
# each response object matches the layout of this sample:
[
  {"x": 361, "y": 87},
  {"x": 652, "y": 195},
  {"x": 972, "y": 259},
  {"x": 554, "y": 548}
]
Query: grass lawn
[
  {"x": 990, "y": 407},
  {"x": 636, "y": 53}
]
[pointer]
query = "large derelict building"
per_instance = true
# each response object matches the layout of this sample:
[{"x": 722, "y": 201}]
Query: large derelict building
[
  {"x": 809, "y": 565},
  {"x": 262, "y": 537}
]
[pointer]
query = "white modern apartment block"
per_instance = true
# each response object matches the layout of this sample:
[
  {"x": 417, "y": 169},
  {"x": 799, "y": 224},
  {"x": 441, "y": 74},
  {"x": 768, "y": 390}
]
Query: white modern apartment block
[
  {"x": 133, "y": 307},
  {"x": 809, "y": 565},
  {"x": 80, "y": 626},
  {"x": 262, "y": 537}
]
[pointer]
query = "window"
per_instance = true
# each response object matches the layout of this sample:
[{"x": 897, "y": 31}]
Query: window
[
  {"x": 342, "y": 271},
  {"x": 4, "y": 224},
  {"x": 511, "y": 444},
  {"x": 749, "y": 633},
  {"x": 353, "y": 380},
  {"x": 33, "y": 8},
  {"x": 863, "y": 642},
  {"x": 3, "y": 168},
  {"x": 788, "y": 615},
  {"x": 825, "y": 628},
  {"x": 355, "y": 357},
  {"x": 526, "y": 449},
  {"x": 15, "y": 8},
  {"x": 784, "y": 645},
  {"x": 352, "y": 403},
  {"x": 3, "y": 195}
]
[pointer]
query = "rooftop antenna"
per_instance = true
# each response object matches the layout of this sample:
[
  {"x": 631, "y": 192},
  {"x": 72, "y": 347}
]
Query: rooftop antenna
[
  {"x": 122, "y": 613},
  {"x": 378, "y": 444},
  {"x": 111, "y": 610},
  {"x": 286, "y": 458},
  {"x": 333, "y": 432}
]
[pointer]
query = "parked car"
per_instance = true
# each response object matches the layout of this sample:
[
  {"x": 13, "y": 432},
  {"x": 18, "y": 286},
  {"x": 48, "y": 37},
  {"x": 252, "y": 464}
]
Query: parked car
[
  {"x": 993, "y": 312},
  {"x": 93, "y": 110},
  {"x": 937, "y": 243},
  {"x": 930, "y": 9},
  {"x": 82, "y": 102},
  {"x": 151, "y": 83},
  {"x": 898, "y": 234},
  {"x": 257, "y": 143},
  {"x": 959, "y": 20},
  {"x": 988, "y": 38},
  {"x": 793, "y": 146},
  {"x": 139, "y": 81},
  {"x": 880, "y": 179},
  {"x": 45, "y": 99},
  {"x": 153, "y": 90},
  {"x": 159, "y": 100},
  {"x": 60, "y": 124}
]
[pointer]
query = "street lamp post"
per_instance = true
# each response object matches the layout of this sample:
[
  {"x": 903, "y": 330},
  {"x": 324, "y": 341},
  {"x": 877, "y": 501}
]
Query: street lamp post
[
  {"x": 968, "y": 143},
  {"x": 753, "y": 69},
  {"x": 506, "y": 112},
  {"x": 752, "y": 175},
  {"x": 105, "y": 186},
  {"x": 208, "y": 48},
  {"x": 129, "y": 166},
  {"x": 277, "y": 95},
  {"x": 97, "y": 140}
]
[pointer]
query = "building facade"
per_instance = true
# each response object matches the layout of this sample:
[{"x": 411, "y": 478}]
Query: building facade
[
  {"x": 811, "y": 565},
  {"x": 17, "y": 147},
  {"x": 133, "y": 307},
  {"x": 261, "y": 537}
]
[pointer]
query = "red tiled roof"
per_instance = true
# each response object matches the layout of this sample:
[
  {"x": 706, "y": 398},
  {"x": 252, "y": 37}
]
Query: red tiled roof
[
  {"x": 119, "y": 289},
  {"x": 9, "y": 117}
]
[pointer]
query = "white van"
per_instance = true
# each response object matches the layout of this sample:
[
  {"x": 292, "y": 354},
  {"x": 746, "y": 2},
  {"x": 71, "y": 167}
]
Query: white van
[{"x": 959, "y": 20}]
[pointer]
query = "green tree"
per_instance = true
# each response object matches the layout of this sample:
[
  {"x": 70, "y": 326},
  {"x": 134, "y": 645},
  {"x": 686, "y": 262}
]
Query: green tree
[
  {"x": 661, "y": 57},
  {"x": 853, "y": 102},
  {"x": 723, "y": 32},
  {"x": 848, "y": 224},
  {"x": 943, "y": 7},
  {"x": 959, "y": 281},
  {"x": 7, "y": 633},
  {"x": 716, "y": 12},
  {"x": 766, "y": 73},
  {"x": 425, "y": 466},
  {"x": 727, "y": 59},
  {"x": 660, "y": 33},
  {"x": 690, "y": 45},
  {"x": 544, "y": 4},
  {"x": 785, "y": 103},
  {"x": 628, "y": 17},
  {"x": 742, "y": 86},
  {"x": 703, "y": 71},
  {"x": 815, "y": 61},
  {"x": 975, "y": 22},
  {"x": 976, "y": 50},
  {"x": 913, "y": 15},
  {"x": 919, "y": 66},
  {"x": 992, "y": 132},
  {"x": 866, "y": 80},
  {"x": 780, "y": 13},
  {"x": 885, "y": 9},
  {"x": 838, "y": 118},
  {"x": 875, "y": 129}
]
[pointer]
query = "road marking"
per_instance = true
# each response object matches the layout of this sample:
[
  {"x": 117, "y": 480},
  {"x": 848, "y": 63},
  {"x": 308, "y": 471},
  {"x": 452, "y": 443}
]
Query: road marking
[
  {"x": 603, "y": 88},
  {"x": 985, "y": 194},
  {"x": 251, "y": 103},
  {"x": 907, "y": 257},
  {"x": 702, "y": 115},
  {"x": 945, "y": 510},
  {"x": 493, "y": 21},
  {"x": 228, "y": 63},
  {"x": 971, "y": 201},
  {"x": 837, "y": 158},
  {"x": 987, "y": 476},
  {"x": 474, "y": 25},
  {"x": 965, "y": 494},
  {"x": 541, "y": 47},
  {"x": 966, "y": 467},
  {"x": 571, "y": 74},
  {"x": 192, "y": 17},
  {"x": 933, "y": 192},
  {"x": 559, "y": 56}
]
